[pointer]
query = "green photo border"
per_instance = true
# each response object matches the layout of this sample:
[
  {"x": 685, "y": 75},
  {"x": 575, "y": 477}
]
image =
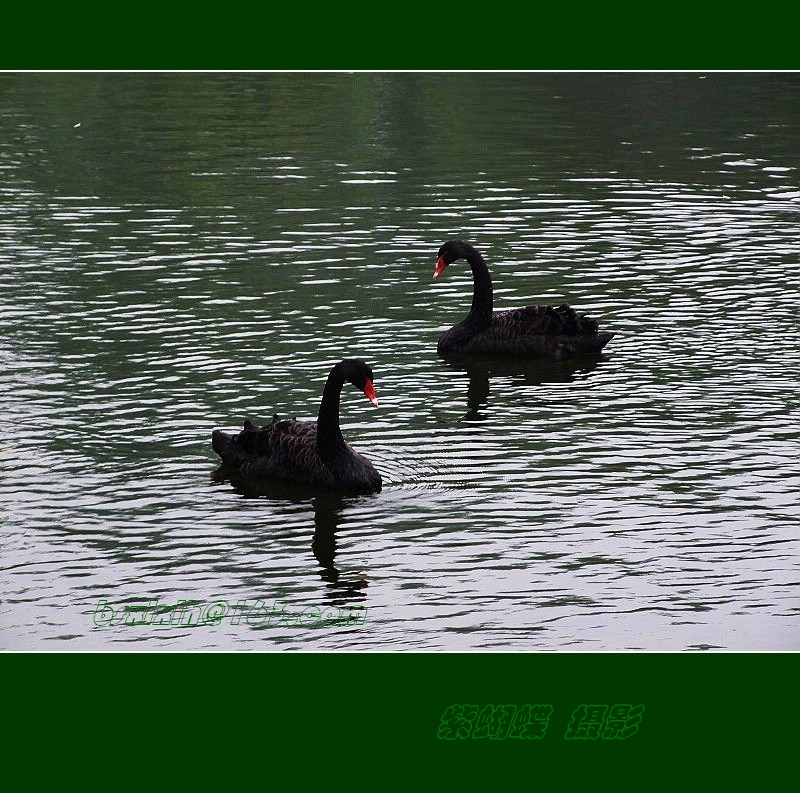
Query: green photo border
[{"x": 373, "y": 719}]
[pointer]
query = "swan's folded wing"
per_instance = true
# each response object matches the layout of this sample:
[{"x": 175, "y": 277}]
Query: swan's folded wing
[
  {"x": 278, "y": 439},
  {"x": 560, "y": 320}
]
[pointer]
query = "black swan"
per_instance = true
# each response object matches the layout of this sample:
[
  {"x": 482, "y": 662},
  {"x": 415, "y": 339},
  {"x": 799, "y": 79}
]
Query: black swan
[
  {"x": 531, "y": 331},
  {"x": 307, "y": 452}
]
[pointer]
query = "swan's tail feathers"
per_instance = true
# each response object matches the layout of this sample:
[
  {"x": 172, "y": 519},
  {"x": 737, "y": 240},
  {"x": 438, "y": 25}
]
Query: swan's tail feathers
[
  {"x": 603, "y": 338},
  {"x": 221, "y": 442}
]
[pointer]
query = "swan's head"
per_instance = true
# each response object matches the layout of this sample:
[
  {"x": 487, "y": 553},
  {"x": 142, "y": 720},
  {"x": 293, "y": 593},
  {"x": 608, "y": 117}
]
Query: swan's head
[
  {"x": 355, "y": 371},
  {"x": 449, "y": 252}
]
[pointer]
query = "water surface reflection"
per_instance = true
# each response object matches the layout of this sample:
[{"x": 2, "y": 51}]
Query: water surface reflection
[
  {"x": 480, "y": 370},
  {"x": 326, "y": 507}
]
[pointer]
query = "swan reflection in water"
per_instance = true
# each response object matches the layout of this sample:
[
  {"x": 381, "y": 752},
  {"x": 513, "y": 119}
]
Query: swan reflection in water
[
  {"x": 328, "y": 508},
  {"x": 534, "y": 372}
]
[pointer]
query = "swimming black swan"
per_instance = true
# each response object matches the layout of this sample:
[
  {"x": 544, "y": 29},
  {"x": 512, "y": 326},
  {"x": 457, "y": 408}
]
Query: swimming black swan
[
  {"x": 306, "y": 451},
  {"x": 530, "y": 331}
]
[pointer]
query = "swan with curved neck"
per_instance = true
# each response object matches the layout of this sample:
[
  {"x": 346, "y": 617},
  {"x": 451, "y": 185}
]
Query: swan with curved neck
[
  {"x": 307, "y": 452},
  {"x": 545, "y": 331}
]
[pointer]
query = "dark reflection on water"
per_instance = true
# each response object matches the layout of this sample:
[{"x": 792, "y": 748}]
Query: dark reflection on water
[
  {"x": 180, "y": 250},
  {"x": 327, "y": 507},
  {"x": 480, "y": 370}
]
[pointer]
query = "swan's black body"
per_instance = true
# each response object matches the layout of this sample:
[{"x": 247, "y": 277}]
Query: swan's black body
[
  {"x": 545, "y": 331},
  {"x": 307, "y": 452}
]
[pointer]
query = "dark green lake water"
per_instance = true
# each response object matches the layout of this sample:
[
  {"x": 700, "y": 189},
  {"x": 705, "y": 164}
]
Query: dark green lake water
[{"x": 181, "y": 252}]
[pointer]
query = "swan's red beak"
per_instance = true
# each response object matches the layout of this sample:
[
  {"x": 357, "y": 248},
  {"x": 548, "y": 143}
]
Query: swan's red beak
[
  {"x": 369, "y": 393},
  {"x": 440, "y": 265}
]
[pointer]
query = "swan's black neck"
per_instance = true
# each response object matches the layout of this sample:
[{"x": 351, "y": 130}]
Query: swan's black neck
[
  {"x": 329, "y": 436},
  {"x": 480, "y": 315}
]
